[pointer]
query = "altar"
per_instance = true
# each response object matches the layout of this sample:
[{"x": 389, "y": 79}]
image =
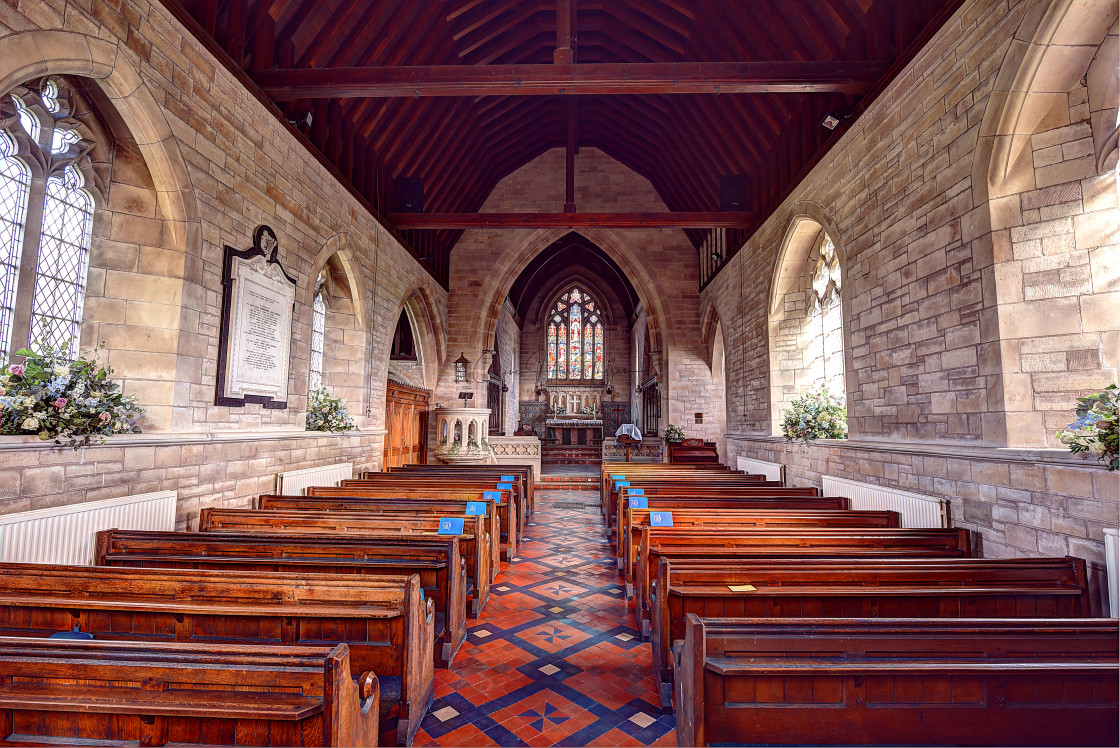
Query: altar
[{"x": 569, "y": 431}]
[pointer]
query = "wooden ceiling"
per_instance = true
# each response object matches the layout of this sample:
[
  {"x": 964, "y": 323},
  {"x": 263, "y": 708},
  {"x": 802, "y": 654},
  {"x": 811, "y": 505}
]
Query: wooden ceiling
[{"x": 460, "y": 93}]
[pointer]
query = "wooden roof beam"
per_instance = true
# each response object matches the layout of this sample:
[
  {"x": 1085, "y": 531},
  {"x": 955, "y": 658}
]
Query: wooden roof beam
[
  {"x": 710, "y": 219},
  {"x": 553, "y": 80}
]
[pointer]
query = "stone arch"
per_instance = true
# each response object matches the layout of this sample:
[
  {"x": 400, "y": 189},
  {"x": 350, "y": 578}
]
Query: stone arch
[
  {"x": 789, "y": 315},
  {"x": 492, "y": 294},
  {"x": 428, "y": 332},
  {"x": 565, "y": 284},
  {"x": 1050, "y": 53},
  {"x": 37, "y": 54},
  {"x": 709, "y": 325},
  {"x": 339, "y": 244}
]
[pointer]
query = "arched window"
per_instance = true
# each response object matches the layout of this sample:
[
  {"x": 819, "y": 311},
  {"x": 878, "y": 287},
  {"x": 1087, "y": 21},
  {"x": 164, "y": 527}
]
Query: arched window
[
  {"x": 46, "y": 219},
  {"x": 318, "y": 335},
  {"x": 575, "y": 338},
  {"x": 827, "y": 284}
]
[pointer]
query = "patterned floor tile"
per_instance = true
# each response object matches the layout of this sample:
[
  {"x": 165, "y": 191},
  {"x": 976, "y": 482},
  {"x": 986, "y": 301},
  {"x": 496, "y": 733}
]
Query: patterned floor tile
[{"x": 554, "y": 659}]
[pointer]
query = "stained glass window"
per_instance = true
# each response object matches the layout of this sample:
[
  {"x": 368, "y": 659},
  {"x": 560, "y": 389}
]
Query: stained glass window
[
  {"x": 318, "y": 334},
  {"x": 60, "y": 278},
  {"x": 63, "y": 229},
  {"x": 15, "y": 181},
  {"x": 574, "y": 346}
]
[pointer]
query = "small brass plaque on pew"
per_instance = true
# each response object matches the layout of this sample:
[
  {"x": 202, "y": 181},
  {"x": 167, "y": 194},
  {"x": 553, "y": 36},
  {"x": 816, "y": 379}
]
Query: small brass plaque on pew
[{"x": 741, "y": 587}]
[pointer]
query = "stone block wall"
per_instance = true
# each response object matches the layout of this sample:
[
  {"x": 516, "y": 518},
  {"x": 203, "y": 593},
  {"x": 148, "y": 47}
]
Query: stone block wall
[
  {"x": 981, "y": 292},
  {"x": 201, "y": 162}
]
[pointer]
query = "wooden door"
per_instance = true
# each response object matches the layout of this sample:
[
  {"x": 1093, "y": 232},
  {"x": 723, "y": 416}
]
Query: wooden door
[{"x": 406, "y": 420}]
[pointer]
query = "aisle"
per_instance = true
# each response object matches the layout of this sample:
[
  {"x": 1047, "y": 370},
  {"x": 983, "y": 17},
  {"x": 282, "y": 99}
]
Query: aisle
[{"x": 554, "y": 659}]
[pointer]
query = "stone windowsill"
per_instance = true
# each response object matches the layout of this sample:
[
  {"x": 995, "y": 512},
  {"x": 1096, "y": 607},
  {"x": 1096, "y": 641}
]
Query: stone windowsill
[
  {"x": 13, "y": 443},
  {"x": 1041, "y": 455}
]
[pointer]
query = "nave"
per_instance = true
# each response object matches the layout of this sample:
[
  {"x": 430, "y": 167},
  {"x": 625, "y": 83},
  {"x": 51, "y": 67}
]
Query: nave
[{"x": 555, "y": 658}]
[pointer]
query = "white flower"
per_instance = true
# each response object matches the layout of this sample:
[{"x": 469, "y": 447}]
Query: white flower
[
  {"x": 30, "y": 424},
  {"x": 60, "y": 370}
]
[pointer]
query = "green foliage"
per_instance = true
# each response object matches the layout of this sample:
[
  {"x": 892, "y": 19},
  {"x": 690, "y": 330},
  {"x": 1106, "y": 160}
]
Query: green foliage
[
  {"x": 815, "y": 415},
  {"x": 1095, "y": 431},
  {"x": 326, "y": 413},
  {"x": 72, "y": 402}
]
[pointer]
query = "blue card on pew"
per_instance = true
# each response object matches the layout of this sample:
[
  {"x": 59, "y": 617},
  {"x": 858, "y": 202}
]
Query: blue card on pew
[
  {"x": 622, "y": 484},
  {"x": 618, "y": 477},
  {"x": 476, "y": 508},
  {"x": 508, "y": 479},
  {"x": 492, "y": 496},
  {"x": 506, "y": 486},
  {"x": 450, "y": 526},
  {"x": 636, "y": 492},
  {"x": 660, "y": 519},
  {"x": 639, "y": 502}
]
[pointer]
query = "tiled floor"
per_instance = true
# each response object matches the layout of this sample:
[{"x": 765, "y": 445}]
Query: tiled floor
[{"x": 554, "y": 659}]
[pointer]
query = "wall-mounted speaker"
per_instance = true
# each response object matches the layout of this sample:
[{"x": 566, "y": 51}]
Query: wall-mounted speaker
[
  {"x": 409, "y": 195},
  {"x": 733, "y": 192}
]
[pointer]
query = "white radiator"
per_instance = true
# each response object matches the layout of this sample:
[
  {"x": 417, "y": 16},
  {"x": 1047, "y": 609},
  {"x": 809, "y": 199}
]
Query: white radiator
[
  {"x": 916, "y": 510},
  {"x": 772, "y": 470},
  {"x": 64, "y": 534},
  {"x": 1112, "y": 563},
  {"x": 296, "y": 482}
]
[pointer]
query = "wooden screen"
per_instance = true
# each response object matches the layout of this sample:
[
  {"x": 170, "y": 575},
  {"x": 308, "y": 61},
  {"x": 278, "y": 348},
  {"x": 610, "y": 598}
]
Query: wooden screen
[{"x": 406, "y": 418}]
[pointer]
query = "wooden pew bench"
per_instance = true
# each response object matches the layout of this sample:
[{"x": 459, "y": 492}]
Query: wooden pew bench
[
  {"x": 525, "y": 476},
  {"x": 897, "y": 682},
  {"x": 718, "y": 546},
  {"x": 729, "y": 517},
  {"x": 413, "y": 488},
  {"x": 694, "y": 451},
  {"x": 847, "y": 588},
  {"x": 331, "y": 499},
  {"x": 388, "y": 628},
  {"x": 637, "y": 470},
  {"x": 801, "y": 499},
  {"x": 436, "y": 560},
  {"x": 364, "y": 525},
  {"x": 65, "y": 692},
  {"x": 705, "y": 492}
]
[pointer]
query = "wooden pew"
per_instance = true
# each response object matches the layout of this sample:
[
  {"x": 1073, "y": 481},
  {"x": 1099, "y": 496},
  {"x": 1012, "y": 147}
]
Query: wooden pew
[
  {"x": 525, "y": 474},
  {"x": 514, "y": 497},
  {"x": 638, "y": 469},
  {"x": 392, "y": 486},
  {"x": 797, "y": 498},
  {"x": 897, "y": 682},
  {"x": 65, "y": 692},
  {"x": 717, "y": 546},
  {"x": 702, "y": 491},
  {"x": 847, "y": 588},
  {"x": 363, "y": 524},
  {"x": 730, "y": 518},
  {"x": 325, "y": 498},
  {"x": 385, "y": 622},
  {"x": 694, "y": 451},
  {"x": 436, "y": 560}
]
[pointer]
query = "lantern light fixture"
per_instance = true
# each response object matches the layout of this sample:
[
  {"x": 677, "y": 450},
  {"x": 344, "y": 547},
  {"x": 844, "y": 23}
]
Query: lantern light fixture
[{"x": 461, "y": 364}]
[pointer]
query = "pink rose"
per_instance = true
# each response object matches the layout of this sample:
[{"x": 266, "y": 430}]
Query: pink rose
[
  {"x": 105, "y": 417},
  {"x": 60, "y": 402},
  {"x": 18, "y": 369}
]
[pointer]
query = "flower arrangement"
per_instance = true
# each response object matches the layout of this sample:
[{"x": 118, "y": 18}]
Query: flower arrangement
[
  {"x": 72, "y": 402},
  {"x": 815, "y": 415},
  {"x": 674, "y": 433},
  {"x": 1095, "y": 431},
  {"x": 326, "y": 413},
  {"x": 588, "y": 411}
]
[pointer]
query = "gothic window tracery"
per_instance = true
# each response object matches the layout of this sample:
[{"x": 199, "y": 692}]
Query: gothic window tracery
[
  {"x": 318, "y": 334},
  {"x": 47, "y": 207},
  {"x": 574, "y": 346}
]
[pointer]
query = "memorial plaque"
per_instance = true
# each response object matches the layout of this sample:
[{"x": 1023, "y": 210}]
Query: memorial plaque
[{"x": 258, "y": 307}]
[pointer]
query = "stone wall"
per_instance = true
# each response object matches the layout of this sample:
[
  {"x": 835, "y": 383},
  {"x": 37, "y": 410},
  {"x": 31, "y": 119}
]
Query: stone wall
[
  {"x": 981, "y": 298},
  {"x": 660, "y": 263},
  {"x": 201, "y": 163}
]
